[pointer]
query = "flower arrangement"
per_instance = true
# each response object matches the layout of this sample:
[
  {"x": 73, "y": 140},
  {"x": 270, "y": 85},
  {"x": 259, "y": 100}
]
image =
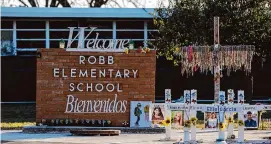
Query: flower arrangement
[
  {"x": 143, "y": 50},
  {"x": 187, "y": 123},
  {"x": 194, "y": 121},
  {"x": 147, "y": 50},
  {"x": 241, "y": 123},
  {"x": 126, "y": 50},
  {"x": 230, "y": 120},
  {"x": 221, "y": 126},
  {"x": 166, "y": 122}
]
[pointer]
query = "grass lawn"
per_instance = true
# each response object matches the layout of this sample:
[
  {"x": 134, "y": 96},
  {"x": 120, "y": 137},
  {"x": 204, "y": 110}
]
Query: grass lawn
[{"x": 15, "y": 125}]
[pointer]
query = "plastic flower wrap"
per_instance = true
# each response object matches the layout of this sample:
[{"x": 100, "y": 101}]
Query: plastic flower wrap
[
  {"x": 241, "y": 123},
  {"x": 221, "y": 126},
  {"x": 194, "y": 121}
]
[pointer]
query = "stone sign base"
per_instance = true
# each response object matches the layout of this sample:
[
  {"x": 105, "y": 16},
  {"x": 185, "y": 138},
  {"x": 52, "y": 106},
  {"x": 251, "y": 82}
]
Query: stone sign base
[{"x": 67, "y": 129}]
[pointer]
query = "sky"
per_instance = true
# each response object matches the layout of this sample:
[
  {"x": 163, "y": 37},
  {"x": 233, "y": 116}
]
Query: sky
[{"x": 110, "y": 4}]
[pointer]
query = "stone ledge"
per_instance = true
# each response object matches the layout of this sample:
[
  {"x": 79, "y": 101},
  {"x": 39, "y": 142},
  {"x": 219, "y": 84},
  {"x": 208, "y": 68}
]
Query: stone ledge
[{"x": 67, "y": 129}]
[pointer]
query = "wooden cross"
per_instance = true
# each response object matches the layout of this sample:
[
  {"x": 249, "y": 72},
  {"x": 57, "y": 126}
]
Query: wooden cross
[{"x": 207, "y": 59}]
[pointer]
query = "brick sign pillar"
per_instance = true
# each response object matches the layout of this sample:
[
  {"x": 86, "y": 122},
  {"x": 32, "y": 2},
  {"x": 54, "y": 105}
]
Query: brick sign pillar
[{"x": 92, "y": 85}]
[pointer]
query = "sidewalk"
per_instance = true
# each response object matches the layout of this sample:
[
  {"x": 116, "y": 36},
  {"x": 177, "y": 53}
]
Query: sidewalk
[{"x": 17, "y": 137}]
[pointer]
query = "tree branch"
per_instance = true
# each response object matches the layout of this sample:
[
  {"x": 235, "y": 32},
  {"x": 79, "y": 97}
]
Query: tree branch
[
  {"x": 64, "y": 3},
  {"x": 23, "y": 3},
  {"x": 32, "y": 3},
  {"x": 117, "y": 3},
  {"x": 46, "y": 3},
  {"x": 53, "y": 3}
]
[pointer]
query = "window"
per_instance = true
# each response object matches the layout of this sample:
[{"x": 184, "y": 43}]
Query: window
[
  {"x": 7, "y": 45},
  {"x": 133, "y": 30}
]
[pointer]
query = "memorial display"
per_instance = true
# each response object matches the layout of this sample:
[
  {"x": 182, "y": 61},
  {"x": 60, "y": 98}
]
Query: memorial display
[
  {"x": 84, "y": 84},
  {"x": 139, "y": 114},
  {"x": 177, "y": 119}
]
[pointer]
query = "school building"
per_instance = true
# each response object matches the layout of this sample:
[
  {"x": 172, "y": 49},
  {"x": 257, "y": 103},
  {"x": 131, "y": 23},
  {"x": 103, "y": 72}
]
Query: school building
[{"x": 26, "y": 30}]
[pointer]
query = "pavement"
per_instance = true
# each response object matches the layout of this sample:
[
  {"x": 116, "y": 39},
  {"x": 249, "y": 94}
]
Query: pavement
[{"x": 208, "y": 137}]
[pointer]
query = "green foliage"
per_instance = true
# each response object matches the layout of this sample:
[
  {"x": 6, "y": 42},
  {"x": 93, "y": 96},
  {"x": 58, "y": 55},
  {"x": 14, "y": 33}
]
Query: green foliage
[
  {"x": 191, "y": 22},
  {"x": 16, "y": 125}
]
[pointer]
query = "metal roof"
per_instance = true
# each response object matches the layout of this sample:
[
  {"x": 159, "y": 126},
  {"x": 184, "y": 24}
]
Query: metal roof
[{"x": 25, "y": 12}]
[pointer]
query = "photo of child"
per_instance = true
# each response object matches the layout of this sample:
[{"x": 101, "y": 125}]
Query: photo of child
[
  {"x": 177, "y": 119},
  {"x": 211, "y": 120},
  {"x": 157, "y": 114},
  {"x": 139, "y": 114},
  {"x": 251, "y": 119}
]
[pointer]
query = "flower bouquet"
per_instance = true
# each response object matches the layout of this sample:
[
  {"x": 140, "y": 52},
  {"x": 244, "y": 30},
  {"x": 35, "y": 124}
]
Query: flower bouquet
[
  {"x": 230, "y": 120},
  {"x": 194, "y": 121},
  {"x": 241, "y": 123},
  {"x": 221, "y": 126},
  {"x": 166, "y": 122},
  {"x": 187, "y": 124}
]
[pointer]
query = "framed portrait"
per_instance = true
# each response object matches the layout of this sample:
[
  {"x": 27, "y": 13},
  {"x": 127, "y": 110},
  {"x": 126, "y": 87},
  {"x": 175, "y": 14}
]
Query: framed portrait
[
  {"x": 157, "y": 114},
  {"x": 210, "y": 120},
  {"x": 251, "y": 119},
  {"x": 177, "y": 118},
  {"x": 139, "y": 114}
]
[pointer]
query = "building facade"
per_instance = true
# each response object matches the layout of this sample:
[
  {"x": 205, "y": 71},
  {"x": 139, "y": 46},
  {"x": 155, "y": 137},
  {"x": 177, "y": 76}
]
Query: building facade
[{"x": 29, "y": 29}]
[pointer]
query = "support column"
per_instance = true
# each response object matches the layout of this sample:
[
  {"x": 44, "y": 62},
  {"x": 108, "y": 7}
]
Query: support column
[
  {"x": 221, "y": 134},
  {"x": 47, "y": 34},
  {"x": 187, "y": 100},
  {"x": 230, "y": 115},
  {"x": 168, "y": 113},
  {"x": 14, "y": 35},
  {"x": 241, "y": 129},
  {"x": 168, "y": 128},
  {"x": 193, "y": 114}
]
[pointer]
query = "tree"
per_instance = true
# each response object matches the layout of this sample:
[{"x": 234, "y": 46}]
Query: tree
[
  {"x": 191, "y": 22},
  {"x": 78, "y": 3}
]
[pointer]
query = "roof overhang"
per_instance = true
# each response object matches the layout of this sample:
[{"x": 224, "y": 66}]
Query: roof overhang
[{"x": 25, "y": 12}]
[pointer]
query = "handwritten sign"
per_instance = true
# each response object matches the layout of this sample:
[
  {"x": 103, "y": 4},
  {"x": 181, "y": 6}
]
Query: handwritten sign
[
  {"x": 167, "y": 95},
  {"x": 187, "y": 99},
  {"x": 221, "y": 97},
  {"x": 193, "y": 96},
  {"x": 230, "y": 96},
  {"x": 241, "y": 96}
]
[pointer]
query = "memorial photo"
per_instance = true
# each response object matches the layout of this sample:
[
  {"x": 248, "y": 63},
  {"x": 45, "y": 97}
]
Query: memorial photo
[
  {"x": 251, "y": 119},
  {"x": 139, "y": 114},
  {"x": 177, "y": 119},
  {"x": 157, "y": 115},
  {"x": 210, "y": 120}
]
